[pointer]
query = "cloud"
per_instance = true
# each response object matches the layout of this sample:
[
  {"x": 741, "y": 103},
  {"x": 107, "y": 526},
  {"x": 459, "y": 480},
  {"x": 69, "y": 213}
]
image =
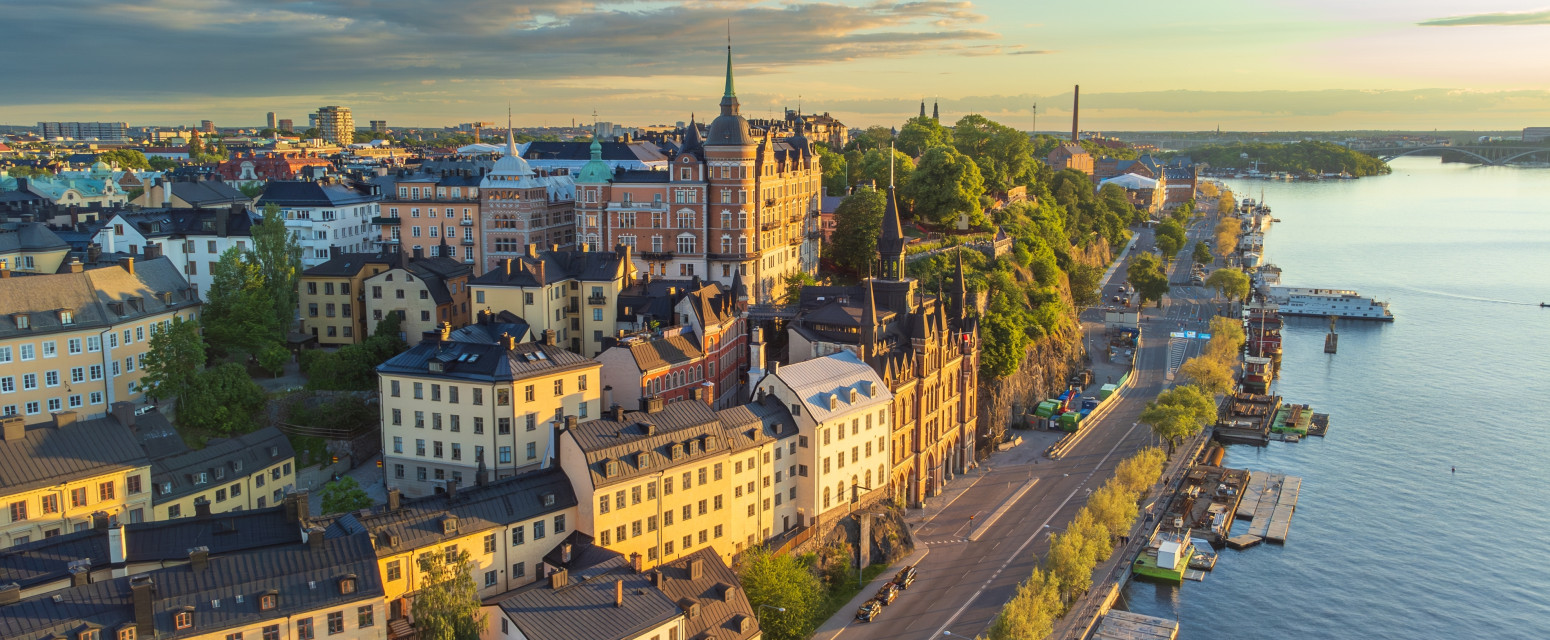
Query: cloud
[
  {"x": 1525, "y": 18},
  {"x": 1037, "y": 52}
]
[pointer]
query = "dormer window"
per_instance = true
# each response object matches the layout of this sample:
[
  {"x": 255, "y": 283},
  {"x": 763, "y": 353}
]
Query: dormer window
[
  {"x": 710, "y": 444},
  {"x": 88, "y": 634},
  {"x": 268, "y": 601},
  {"x": 834, "y": 402},
  {"x": 126, "y": 633},
  {"x": 854, "y": 396},
  {"x": 678, "y": 451},
  {"x": 547, "y": 499},
  {"x": 23, "y": 321},
  {"x": 611, "y": 468},
  {"x": 347, "y": 585},
  {"x": 183, "y": 619},
  {"x": 66, "y": 316},
  {"x": 643, "y": 459}
]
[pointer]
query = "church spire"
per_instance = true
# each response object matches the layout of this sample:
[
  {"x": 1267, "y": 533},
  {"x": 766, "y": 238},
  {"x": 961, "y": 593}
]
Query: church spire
[
  {"x": 890, "y": 242},
  {"x": 869, "y": 325},
  {"x": 935, "y": 114},
  {"x": 511, "y": 142},
  {"x": 922, "y": 107}
]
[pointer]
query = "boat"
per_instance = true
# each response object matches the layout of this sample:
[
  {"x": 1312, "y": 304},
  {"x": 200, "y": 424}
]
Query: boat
[
  {"x": 1324, "y": 303},
  {"x": 1264, "y": 330},
  {"x": 1258, "y": 373},
  {"x": 1543, "y": 304},
  {"x": 1165, "y": 558}
]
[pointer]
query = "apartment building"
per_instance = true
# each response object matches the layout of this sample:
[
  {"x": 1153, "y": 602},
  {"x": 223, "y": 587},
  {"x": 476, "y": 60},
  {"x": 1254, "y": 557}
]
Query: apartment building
[
  {"x": 59, "y": 474},
  {"x": 573, "y": 293},
  {"x": 672, "y": 479},
  {"x": 193, "y": 239},
  {"x": 249, "y": 471},
  {"x": 77, "y": 340},
  {"x": 522, "y": 207},
  {"x": 336, "y": 125},
  {"x": 701, "y": 356},
  {"x": 332, "y": 296},
  {"x": 324, "y": 215},
  {"x": 426, "y": 293},
  {"x": 453, "y": 406},
  {"x": 29, "y": 247},
  {"x": 432, "y": 211}
]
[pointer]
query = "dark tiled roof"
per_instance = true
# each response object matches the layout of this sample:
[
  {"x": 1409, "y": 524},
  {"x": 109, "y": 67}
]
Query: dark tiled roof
[
  {"x": 98, "y": 297},
  {"x": 418, "y": 523},
  {"x": 724, "y": 607},
  {"x": 305, "y": 579},
  {"x": 222, "y": 460},
  {"x": 205, "y": 193},
  {"x": 584, "y": 608},
  {"x": 654, "y": 299},
  {"x": 435, "y": 272},
  {"x": 665, "y": 352},
  {"x": 47, "y": 456},
  {"x": 639, "y": 176},
  {"x": 678, "y": 423},
  {"x": 29, "y": 236},
  {"x": 298, "y": 193},
  {"x": 349, "y": 264},
  {"x": 485, "y": 362},
  {"x": 499, "y": 324},
  {"x": 587, "y": 266},
  {"x": 178, "y": 223}
]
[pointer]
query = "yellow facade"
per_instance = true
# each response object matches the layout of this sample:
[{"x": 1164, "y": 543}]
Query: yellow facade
[
  {"x": 501, "y": 550},
  {"x": 82, "y": 370},
  {"x": 255, "y": 490},
  {"x": 580, "y": 312},
  {"x": 331, "y": 304},
  {"x": 69, "y": 506},
  {"x": 23, "y": 260},
  {"x": 350, "y": 613}
]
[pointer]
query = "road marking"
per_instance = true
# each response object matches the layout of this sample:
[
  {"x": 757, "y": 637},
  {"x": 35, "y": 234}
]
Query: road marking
[
  {"x": 1030, "y": 539},
  {"x": 975, "y": 535}
]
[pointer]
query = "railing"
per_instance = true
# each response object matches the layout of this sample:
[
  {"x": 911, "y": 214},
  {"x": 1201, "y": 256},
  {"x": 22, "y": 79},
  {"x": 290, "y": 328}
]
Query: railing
[
  {"x": 468, "y": 242},
  {"x": 728, "y": 256},
  {"x": 386, "y": 220},
  {"x": 467, "y": 222},
  {"x": 597, "y": 300},
  {"x": 656, "y": 255}
]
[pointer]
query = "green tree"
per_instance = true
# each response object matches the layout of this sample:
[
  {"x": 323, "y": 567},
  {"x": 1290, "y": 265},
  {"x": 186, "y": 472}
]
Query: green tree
[
  {"x": 1146, "y": 275},
  {"x": 252, "y": 189},
  {"x": 857, "y": 222},
  {"x": 1003, "y": 154},
  {"x": 794, "y": 282},
  {"x": 239, "y": 312},
  {"x": 835, "y": 170},
  {"x": 447, "y": 605},
  {"x": 1170, "y": 237},
  {"x": 945, "y": 185},
  {"x": 278, "y": 255},
  {"x": 124, "y": 158},
  {"x": 314, "y": 132},
  {"x": 1071, "y": 562},
  {"x": 1179, "y": 413},
  {"x": 343, "y": 496},
  {"x": 354, "y": 367},
  {"x": 221, "y": 400},
  {"x": 1032, "y": 611},
  {"x": 922, "y": 133},
  {"x": 1212, "y": 375},
  {"x": 782, "y": 581},
  {"x": 160, "y": 163},
  {"x": 173, "y": 361},
  {"x": 273, "y": 358},
  {"x": 874, "y": 168},
  {"x": 875, "y": 137},
  {"x": 1084, "y": 284},
  {"x": 1203, "y": 254},
  {"x": 1231, "y": 283}
]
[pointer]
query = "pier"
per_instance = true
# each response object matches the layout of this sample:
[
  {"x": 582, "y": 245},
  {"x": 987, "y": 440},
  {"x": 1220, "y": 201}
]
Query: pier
[
  {"x": 1124, "y": 625},
  {"x": 1268, "y": 504}
]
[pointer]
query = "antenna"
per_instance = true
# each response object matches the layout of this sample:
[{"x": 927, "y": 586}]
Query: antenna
[{"x": 890, "y": 164}]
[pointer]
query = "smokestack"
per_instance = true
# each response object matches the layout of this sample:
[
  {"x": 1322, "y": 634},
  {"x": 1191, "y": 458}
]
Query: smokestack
[
  {"x": 143, "y": 594},
  {"x": 619, "y": 593},
  {"x": 1076, "y": 105}
]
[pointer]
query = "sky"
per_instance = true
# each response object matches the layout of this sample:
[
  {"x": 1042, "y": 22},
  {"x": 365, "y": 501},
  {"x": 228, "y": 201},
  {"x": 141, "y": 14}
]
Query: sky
[{"x": 1143, "y": 65}]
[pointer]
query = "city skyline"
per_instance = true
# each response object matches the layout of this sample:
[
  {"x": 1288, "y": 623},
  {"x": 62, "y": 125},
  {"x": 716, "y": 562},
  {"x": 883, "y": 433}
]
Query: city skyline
[{"x": 1292, "y": 65}]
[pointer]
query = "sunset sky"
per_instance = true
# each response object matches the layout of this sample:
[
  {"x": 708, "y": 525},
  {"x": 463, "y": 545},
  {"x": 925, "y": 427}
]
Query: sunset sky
[{"x": 1182, "y": 64}]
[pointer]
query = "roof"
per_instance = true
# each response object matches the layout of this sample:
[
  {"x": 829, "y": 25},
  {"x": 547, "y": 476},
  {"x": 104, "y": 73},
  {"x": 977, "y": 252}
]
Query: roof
[
  {"x": 29, "y": 236},
  {"x": 488, "y": 328},
  {"x": 1131, "y": 181},
  {"x": 724, "y": 606},
  {"x": 580, "y": 151},
  {"x": 96, "y": 297},
  {"x": 688, "y": 428},
  {"x": 435, "y": 272},
  {"x": 665, "y": 352},
  {"x": 47, "y": 456},
  {"x": 304, "y": 578},
  {"x": 484, "y": 362},
  {"x": 297, "y": 193},
  {"x": 815, "y": 381},
  {"x": 349, "y": 264},
  {"x": 204, "y": 193},
  {"x": 584, "y": 607},
  {"x": 546, "y": 266},
  {"x": 641, "y": 176},
  {"x": 181, "y": 223},
  {"x": 499, "y": 504},
  {"x": 178, "y": 471}
]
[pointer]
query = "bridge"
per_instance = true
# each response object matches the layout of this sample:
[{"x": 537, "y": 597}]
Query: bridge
[{"x": 1484, "y": 154}]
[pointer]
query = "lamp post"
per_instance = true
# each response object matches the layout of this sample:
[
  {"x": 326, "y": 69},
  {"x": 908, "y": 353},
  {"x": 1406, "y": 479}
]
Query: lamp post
[
  {"x": 946, "y": 633},
  {"x": 761, "y": 608}
]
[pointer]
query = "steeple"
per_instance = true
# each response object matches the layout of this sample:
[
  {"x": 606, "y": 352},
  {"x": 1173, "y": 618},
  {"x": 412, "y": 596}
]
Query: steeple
[
  {"x": 511, "y": 142},
  {"x": 922, "y": 107},
  {"x": 729, "y": 128},
  {"x": 961, "y": 292},
  {"x": 869, "y": 325},
  {"x": 729, "y": 104},
  {"x": 935, "y": 114},
  {"x": 596, "y": 148},
  {"x": 890, "y": 242}
]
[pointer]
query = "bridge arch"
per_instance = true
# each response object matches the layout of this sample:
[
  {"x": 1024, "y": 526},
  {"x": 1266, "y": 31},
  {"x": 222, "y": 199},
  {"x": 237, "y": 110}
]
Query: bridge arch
[
  {"x": 1525, "y": 154},
  {"x": 1483, "y": 159}
]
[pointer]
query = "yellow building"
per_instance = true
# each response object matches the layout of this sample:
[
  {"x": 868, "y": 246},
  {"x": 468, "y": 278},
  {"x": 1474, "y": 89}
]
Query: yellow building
[
  {"x": 250, "y": 471},
  {"x": 671, "y": 480},
  {"x": 77, "y": 340},
  {"x": 30, "y": 247},
  {"x": 425, "y": 293},
  {"x": 573, "y": 293},
  {"x": 505, "y": 526},
  {"x": 331, "y": 297},
  {"x": 461, "y": 402},
  {"x": 57, "y": 474}
]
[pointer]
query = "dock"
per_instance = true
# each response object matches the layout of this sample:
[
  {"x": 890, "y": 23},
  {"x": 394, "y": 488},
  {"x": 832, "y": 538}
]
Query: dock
[
  {"x": 1243, "y": 541},
  {"x": 1124, "y": 625},
  {"x": 1269, "y": 503},
  {"x": 1320, "y": 425}
]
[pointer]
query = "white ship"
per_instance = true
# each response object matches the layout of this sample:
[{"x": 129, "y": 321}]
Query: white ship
[{"x": 1340, "y": 303}]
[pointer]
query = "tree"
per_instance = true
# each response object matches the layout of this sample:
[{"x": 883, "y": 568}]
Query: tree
[
  {"x": 1003, "y": 154},
  {"x": 1226, "y": 339},
  {"x": 1071, "y": 562},
  {"x": 1212, "y": 375},
  {"x": 343, "y": 496},
  {"x": 222, "y": 400},
  {"x": 1179, "y": 413},
  {"x": 922, "y": 133},
  {"x": 173, "y": 362},
  {"x": 874, "y": 168},
  {"x": 835, "y": 170},
  {"x": 857, "y": 222},
  {"x": 160, "y": 163},
  {"x": 781, "y": 581},
  {"x": 1225, "y": 202},
  {"x": 875, "y": 137},
  {"x": 1145, "y": 274},
  {"x": 1032, "y": 611},
  {"x": 946, "y": 185},
  {"x": 1203, "y": 253},
  {"x": 278, "y": 255},
  {"x": 794, "y": 282},
  {"x": 1231, "y": 283},
  {"x": 1227, "y": 232},
  {"x": 309, "y": 134},
  {"x": 1170, "y": 237},
  {"x": 252, "y": 189},
  {"x": 239, "y": 312},
  {"x": 447, "y": 605},
  {"x": 124, "y": 158},
  {"x": 273, "y": 358},
  {"x": 1140, "y": 471},
  {"x": 1084, "y": 284}
]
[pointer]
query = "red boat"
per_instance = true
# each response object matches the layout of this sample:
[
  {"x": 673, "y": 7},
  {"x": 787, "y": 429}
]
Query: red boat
[{"x": 1264, "y": 332}]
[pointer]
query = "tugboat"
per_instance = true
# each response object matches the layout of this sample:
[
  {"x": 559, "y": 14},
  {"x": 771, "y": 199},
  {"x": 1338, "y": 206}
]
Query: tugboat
[
  {"x": 1258, "y": 373},
  {"x": 1264, "y": 331}
]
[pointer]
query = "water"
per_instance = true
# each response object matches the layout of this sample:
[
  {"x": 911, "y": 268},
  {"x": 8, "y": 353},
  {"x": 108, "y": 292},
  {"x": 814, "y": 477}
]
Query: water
[{"x": 1386, "y": 542}]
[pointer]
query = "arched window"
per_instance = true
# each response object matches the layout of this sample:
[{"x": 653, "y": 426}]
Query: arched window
[{"x": 826, "y": 497}]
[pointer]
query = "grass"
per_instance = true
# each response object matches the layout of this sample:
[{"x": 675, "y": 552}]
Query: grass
[{"x": 841, "y": 595}]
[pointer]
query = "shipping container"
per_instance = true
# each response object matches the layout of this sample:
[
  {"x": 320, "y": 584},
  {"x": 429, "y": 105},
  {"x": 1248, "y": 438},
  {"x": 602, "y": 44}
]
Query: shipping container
[{"x": 1107, "y": 390}]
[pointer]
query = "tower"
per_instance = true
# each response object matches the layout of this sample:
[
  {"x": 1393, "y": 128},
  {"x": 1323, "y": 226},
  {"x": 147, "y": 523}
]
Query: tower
[
  {"x": 935, "y": 114},
  {"x": 890, "y": 241},
  {"x": 960, "y": 292},
  {"x": 1076, "y": 104},
  {"x": 922, "y": 107}
]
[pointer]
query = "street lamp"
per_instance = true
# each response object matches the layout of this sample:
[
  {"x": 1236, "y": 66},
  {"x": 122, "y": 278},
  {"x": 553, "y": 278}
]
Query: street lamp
[
  {"x": 763, "y": 607},
  {"x": 946, "y": 633}
]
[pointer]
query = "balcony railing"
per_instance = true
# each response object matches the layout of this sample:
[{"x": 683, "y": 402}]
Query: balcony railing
[
  {"x": 597, "y": 300},
  {"x": 386, "y": 220},
  {"x": 656, "y": 255},
  {"x": 729, "y": 256},
  {"x": 468, "y": 242},
  {"x": 467, "y": 222}
]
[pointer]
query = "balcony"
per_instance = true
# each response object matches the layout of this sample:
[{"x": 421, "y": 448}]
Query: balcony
[
  {"x": 467, "y": 222},
  {"x": 597, "y": 300},
  {"x": 729, "y": 256},
  {"x": 572, "y": 308},
  {"x": 768, "y": 226},
  {"x": 796, "y": 241},
  {"x": 468, "y": 242},
  {"x": 656, "y": 255},
  {"x": 381, "y": 220},
  {"x": 814, "y": 235}
]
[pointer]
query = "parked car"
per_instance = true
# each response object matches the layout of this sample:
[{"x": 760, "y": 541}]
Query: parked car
[
  {"x": 887, "y": 594},
  {"x": 905, "y": 577},
  {"x": 869, "y": 610}
]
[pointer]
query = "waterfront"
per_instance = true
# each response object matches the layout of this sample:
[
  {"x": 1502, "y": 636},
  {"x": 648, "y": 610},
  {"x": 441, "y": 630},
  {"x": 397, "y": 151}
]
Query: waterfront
[{"x": 1386, "y": 542}]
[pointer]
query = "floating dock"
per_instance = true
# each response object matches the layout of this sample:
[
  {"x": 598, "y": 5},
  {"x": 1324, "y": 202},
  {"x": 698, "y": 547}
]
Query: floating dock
[
  {"x": 1124, "y": 625},
  {"x": 1320, "y": 425},
  {"x": 1243, "y": 541},
  {"x": 1268, "y": 504}
]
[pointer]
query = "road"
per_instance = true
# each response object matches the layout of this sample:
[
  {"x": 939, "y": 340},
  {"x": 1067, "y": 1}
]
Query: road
[{"x": 968, "y": 574}]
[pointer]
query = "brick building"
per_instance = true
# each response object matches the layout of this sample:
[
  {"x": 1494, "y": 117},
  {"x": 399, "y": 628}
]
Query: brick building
[{"x": 521, "y": 206}]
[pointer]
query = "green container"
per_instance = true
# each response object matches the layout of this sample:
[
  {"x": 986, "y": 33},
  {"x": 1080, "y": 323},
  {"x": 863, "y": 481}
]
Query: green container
[
  {"x": 1070, "y": 421},
  {"x": 1046, "y": 409},
  {"x": 1107, "y": 390}
]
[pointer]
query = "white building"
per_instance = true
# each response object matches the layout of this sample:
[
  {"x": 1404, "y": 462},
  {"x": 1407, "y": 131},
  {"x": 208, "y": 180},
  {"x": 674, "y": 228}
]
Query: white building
[
  {"x": 192, "y": 239},
  {"x": 325, "y": 215}
]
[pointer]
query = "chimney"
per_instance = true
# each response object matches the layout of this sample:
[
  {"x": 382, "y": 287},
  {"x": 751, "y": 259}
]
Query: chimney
[
  {"x": 101, "y": 520},
  {"x": 1076, "y": 103},
  {"x": 201, "y": 508},
  {"x": 14, "y": 427},
  {"x": 565, "y": 553},
  {"x": 5, "y": 269},
  {"x": 116, "y": 554},
  {"x": 199, "y": 558},
  {"x": 695, "y": 568},
  {"x": 75, "y": 263},
  {"x": 558, "y": 580},
  {"x": 542, "y": 273},
  {"x": 394, "y": 499},
  {"x": 451, "y": 491},
  {"x": 652, "y": 404},
  {"x": 419, "y": 253},
  {"x": 124, "y": 413},
  {"x": 128, "y": 263},
  {"x": 635, "y": 564},
  {"x": 223, "y": 222},
  {"x": 532, "y": 250},
  {"x": 80, "y": 572},
  {"x": 152, "y": 250},
  {"x": 608, "y": 395},
  {"x": 166, "y": 193},
  {"x": 507, "y": 263},
  {"x": 446, "y": 331},
  {"x": 63, "y": 419},
  {"x": 296, "y": 507},
  {"x": 615, "y": 413},
  {"x": 549, "y": 337},
  {"x": 314, "y": 538},
  {"x": 619, "y": 593},
  {"x": 10, "y": 594},
  {"x": 143, "y": 593}
]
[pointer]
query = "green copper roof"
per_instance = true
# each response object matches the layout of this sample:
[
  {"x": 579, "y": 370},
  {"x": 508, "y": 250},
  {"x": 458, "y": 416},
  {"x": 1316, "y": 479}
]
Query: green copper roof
[
  {"x": 729, "y": 91},
  {"x": 595, "y": 170}
]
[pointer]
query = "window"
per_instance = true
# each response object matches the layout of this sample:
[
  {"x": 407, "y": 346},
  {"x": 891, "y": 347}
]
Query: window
[
  {"x": 78, "y": 497},
  {"x": 518, "y": 536},
  {"x": 489, "y": 578},
  {"x": 267, "y": 601},
  {"x": 272, "y": 632},
  {"x": 50, "y": 504},
  {"x": 394, "y": 571},
  {"x": 304, "y": 629},
  {"x": 366, "y": 616},
  {"x": 18, "y": 511},
  {"x": 538, "y": 530},
  {"x": 105, "y": 491},
  {"x": 336, "y": 623},
  {"x": 519, "y": 570},
  {"x": 183, "y": 620}
]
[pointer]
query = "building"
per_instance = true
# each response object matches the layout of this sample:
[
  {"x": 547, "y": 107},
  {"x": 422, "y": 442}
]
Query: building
[
  {"x": 842, "y": 407},
  {"x": 736, "y": 200},
  {"x": 332, "y": 296},
  {"x": 672, "y": 479},
  {"x": 320, "y": 588},
  {"x": 326, "y": 215},
  {"x": 521, "y": 206},
  {"x": 105, "y": 131},
  {"x": 256, "y": 167},
  {"x": 285, "y": 124},
  {"x": 571, "y": 156},
  {"x": 336, "y": 125},
  {"x": 192, "y": 239},
  {"x": 1145, "y": 194},
  {"x": 423, "y": 208},
  {"x": 245, "y": 472},
  {"x": 270, "y": 120},
  {"x": 207, "y": 126},
  {"x": 589, "y": 593},
  {"x": 924, "y": 347},
  {"x": 505, "y": 526},
  {"x": 77, "y": 340},
  {"x": 701, "y": 355},
  {"x": 379, "y": 126},
  {"x": 454, "y": 405},
  {"x": 573, "y": 293},
  {"x": 59, "y": 473},
  {"x": 1070, "y": 155},
  {"x": 1179, "y": 185},
  {"x": 190, "y": 194},
  {"x": 100, "y": 190},
  {"x": 426, "y": 293},
  {"x": 28, "y": 247}
]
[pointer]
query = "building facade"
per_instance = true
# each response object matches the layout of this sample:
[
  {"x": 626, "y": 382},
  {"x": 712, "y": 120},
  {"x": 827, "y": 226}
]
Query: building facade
[
  {"x": 192, "y": 239},
  {"x": 431, "y": 211},
  {"x": 701, "y": 356},
  {"x": 331, "y": 297},
  {"x": 336, "y": 125},
  {"x": 520, "y": 206},
  {"x": 573, "y": 293},
  {"x": 426, "y": 293},
  {"x": 326, "y": 215},
  {"x": 61, "y": 473}
]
